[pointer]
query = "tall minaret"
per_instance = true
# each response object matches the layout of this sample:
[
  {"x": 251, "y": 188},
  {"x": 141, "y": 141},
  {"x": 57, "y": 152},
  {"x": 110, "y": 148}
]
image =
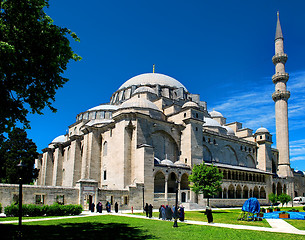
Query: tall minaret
[{"x": 280, "y": 97}]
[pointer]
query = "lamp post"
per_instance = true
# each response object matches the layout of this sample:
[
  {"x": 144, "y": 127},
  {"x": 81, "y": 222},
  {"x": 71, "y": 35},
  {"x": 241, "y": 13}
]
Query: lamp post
[
  {"x": 143, "y": 196},
  {"x": 20, "y": 168},
  {"x": 176, "y": 207}
]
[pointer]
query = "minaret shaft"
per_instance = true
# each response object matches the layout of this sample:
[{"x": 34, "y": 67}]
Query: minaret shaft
[{"x": 280, "y": 97}]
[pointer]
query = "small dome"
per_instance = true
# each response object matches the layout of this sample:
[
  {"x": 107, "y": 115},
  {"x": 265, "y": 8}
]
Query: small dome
[
  {"x": 262, "y": 130},
  {"x": 209, "y": 122},
  {"x": 230, "y": 131},
  {"x": 180, "y": 164},
  {"x": 59, "y": 139},
  {"x": 152, "y": 79},
  {"x": 103, "y": 107},
  {"x": 190, "y": 104},
  {"x": 215, "y": 114},
  {"x": 144, "y": 89},
  {"x": 139, "y": 103},
  {"x": 167, "y": 162}
]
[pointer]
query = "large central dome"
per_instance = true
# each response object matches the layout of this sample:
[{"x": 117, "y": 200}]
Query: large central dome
[{"x": 152, "y": 79}]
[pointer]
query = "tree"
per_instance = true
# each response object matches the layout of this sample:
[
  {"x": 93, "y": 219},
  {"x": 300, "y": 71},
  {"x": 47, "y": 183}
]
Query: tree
[
  {"x": 205, "y": 180},
  {"x": 272, "y": 198},
  {"x": 33, "y": 55},
  {"x": 284, "y": 198},
  {"x": 16, "y": 148}
]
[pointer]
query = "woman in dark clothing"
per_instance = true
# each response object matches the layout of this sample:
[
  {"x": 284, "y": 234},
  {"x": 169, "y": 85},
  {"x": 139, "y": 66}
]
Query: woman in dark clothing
[
  {"x": 146, "y": 209},
  {"x": 208, "y": 212},
  {"x": 181, "y": 213},
  {"x": 92, "y": 207},
  {"x": 116, "y": 207},
  {"x": 160, "y": 212},
  {"x": 168, "y": 213},
  {"x": 150, "y": 207}
]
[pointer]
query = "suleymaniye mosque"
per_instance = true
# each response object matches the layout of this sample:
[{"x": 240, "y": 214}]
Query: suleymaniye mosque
[{"x": 142, "y": 145}]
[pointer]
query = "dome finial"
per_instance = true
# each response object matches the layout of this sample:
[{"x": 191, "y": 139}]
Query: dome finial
[{"x": 153, "y": 68}]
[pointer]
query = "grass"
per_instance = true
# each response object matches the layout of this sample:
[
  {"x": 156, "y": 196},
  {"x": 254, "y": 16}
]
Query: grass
[
  {"x": 299, "y": 224},
  {"x": 220, "y": 216},
  {"x": 26, "y": 218},
  {"x": 116, "y": 227}
]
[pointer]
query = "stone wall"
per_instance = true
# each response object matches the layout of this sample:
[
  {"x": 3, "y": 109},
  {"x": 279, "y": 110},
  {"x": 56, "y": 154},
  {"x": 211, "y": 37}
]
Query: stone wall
[{"x": 9, "y": 193}]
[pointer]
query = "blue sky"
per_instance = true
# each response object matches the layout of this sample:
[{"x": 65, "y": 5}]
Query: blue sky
[{"x": 221, "y": 50}]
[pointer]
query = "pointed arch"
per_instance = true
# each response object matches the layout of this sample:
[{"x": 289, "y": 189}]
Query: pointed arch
[
  {"x": 164, "y": 146},
  {"x": 256, "y": 192},
  {"x": 279, "y": 189},
  {"x": 250, "y": 161},
  {"x": 245, "y": 192},
  {"x": 171, "y": 183},
  {"x": 262, "y": 193},
  {"x": 159, "y": 182},
  {"x": 238, "y": 192},
  {"x": 231, "y": 191},
  {"x": 184, "y": 183},
  {"x": 229, "y": 156}
]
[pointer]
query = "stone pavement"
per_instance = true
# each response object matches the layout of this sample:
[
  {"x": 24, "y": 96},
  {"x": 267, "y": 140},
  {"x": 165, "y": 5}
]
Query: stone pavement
[{"x": 277, "y": 225}]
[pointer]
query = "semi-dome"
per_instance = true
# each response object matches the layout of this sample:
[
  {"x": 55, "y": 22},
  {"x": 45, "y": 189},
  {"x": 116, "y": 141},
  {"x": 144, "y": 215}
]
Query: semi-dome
[
  {"x": 144, "y": 89},
  {"x": 190, "y": 104},
  {"x": 209, "y": 122},
  {"x": 262, "y": 130},
  {"x": 59, "y": 139},
  {"x": 104, "y": 107},
  {"x": 230, "y": 131},
  {"x": 167, "y": 162},
  {"x": 152, "y": 79},
  {"x": 139, "y": 103},
  {"x": 215, "y": 114}
]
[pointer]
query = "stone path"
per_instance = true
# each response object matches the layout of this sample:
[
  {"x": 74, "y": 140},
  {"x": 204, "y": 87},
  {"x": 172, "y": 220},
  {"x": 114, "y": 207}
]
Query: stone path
[{"x": 277, "y": 225}]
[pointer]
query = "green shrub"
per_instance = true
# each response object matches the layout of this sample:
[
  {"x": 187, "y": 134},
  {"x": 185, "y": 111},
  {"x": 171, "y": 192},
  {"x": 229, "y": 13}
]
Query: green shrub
[
  {"x": 33, "y": 210},
  {"x": 11, "y": 210},
  {"x": 0, "y": 208}
]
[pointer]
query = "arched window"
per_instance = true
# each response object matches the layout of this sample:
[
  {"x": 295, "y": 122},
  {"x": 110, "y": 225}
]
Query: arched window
[
  {"x": 238, "y": 192},
  {"x": 105, "y": 146},
  {"x": 284, "y": 189},
  {"x": 245, "y": 192},
  {"x": 262, "y": 193},
  {"x": 159, "y": 183},
  {"x": 255, "y": 192},
  {"x": 279, "y": 189},
  {"x": 184, "y": 184},
  {"x": 171, "y": 183},
  {"x": 224, "y": 193},
  {"x": 231, "y": 191}
]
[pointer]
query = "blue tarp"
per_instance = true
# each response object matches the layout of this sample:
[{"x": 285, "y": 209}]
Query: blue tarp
[{"x": 251, "y": 205}]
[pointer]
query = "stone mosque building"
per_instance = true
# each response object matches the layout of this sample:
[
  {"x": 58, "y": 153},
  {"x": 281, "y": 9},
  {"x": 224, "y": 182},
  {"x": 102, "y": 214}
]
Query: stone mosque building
[{"x": 142, "y": 145}]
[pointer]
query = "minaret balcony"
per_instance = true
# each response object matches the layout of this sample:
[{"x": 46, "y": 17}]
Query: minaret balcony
[
  {"x": 280, "y": 77},
  {"x": 280, "y": 95},
  {"x": 279, "y": 58}
]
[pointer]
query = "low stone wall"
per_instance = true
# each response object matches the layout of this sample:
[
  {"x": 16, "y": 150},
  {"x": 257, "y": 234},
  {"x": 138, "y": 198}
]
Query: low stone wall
[{"x": 9, "y": 193}]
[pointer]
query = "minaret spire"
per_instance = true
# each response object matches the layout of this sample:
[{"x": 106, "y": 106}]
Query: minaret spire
[
  {"x": 278, "y": 32},
  {"x": 280, "y": 97}
]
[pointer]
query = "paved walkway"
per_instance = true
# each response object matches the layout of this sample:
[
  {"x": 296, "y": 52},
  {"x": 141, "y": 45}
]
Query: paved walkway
[{"x": 277, "y": 225}]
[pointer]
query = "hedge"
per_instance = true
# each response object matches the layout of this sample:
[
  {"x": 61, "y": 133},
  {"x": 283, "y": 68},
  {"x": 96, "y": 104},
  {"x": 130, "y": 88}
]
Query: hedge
[{"x": 32, "y": 210}]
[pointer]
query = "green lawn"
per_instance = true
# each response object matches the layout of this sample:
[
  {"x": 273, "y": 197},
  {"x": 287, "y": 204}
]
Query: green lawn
[
  {"x": 116, "y": 227},
  {"x": 299, "y": 224},
  {"x": 220, "y": 216}
]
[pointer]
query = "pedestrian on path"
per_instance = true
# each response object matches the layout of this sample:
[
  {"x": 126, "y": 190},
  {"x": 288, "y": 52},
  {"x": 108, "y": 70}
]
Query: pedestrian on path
[{"x": 116, "y": 207}]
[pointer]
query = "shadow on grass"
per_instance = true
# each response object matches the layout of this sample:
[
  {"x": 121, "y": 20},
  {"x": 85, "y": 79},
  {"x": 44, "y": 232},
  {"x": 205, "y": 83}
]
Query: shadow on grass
[
  {"x": 214, "y": 212},
  {"x": 75, "y": 231}
]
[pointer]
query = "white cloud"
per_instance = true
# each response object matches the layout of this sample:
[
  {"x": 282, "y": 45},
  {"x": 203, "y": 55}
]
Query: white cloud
[{"x": 255, "y": 108}]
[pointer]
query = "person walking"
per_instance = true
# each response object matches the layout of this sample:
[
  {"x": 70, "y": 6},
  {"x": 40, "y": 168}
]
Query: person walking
[
  {"x": 163, "y": 213},
  {"x": 92, "y": 207},
  {"x": 116, "y": 207},
  {"x": 146, "y": 209},
  {"x": 150, "y": 207}
]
